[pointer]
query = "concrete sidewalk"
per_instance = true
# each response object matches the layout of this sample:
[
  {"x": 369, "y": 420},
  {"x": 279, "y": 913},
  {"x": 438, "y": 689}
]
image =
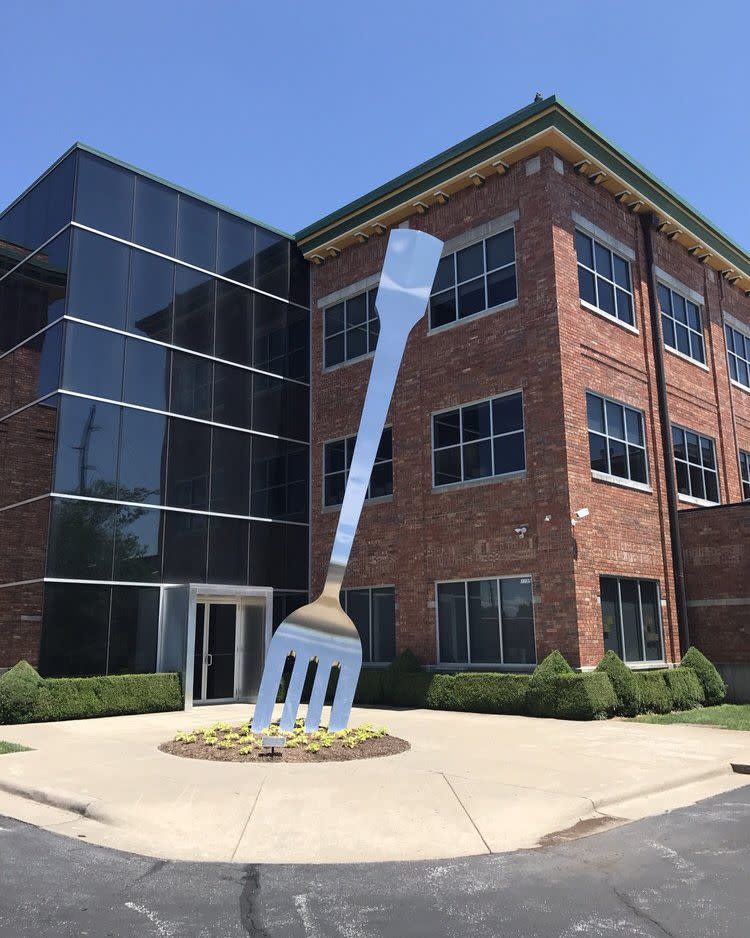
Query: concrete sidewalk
[{"x": 471, "y": 784}]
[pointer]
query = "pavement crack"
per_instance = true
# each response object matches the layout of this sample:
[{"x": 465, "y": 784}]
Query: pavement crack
[
  {"x": 641, "y": 913},
  {"x": 466, "y": 812},
  {"x": 249, "y": 817},
  {"x": 155, "y": 867},
  {"x": 251, "y": 915}
]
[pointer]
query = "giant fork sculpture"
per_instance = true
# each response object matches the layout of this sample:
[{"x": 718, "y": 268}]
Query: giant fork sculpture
[{"x": 322, "y": 631}]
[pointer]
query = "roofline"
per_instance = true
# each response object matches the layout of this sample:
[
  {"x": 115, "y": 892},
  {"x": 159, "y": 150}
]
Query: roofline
[
  {"x": 78, "y": 145},
  {"x": 548, "y": 114}
]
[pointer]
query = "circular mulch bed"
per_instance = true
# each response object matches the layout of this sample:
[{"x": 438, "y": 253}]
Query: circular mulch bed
[{"x": 370, "y": 748}]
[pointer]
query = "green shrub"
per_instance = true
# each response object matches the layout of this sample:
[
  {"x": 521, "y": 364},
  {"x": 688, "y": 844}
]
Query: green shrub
[
  {"x": 78, "y": 698},
  {"x": 542, "y": 690},
  {"x": 713, "y": 684},
  {"x": 479, "y": 692},
  {"x": 625, "y": 684},
  {"x": 441, "y": 694},
  {"x": 19, "y": 690},
  {"x": 567, "y": 695},
  {"x": 656, "y": 695},
  {"x": 369, "y": 687},
  {"x": 687, "y": 690}
]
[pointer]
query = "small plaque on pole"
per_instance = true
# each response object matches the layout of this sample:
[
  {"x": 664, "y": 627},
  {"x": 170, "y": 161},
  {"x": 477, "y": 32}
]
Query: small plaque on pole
[{"x": 273, "y": 743}]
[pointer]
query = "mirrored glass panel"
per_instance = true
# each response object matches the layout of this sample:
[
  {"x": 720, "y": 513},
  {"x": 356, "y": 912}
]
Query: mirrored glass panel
[
  {"x": 133, "y": 631},
  {"x": 271, "y": 262},
  {"x": 74, "y": 630},
  {"x": 234, "y": 323},
  {"x": 233, "y": 396},
  {"x": 87, "y": 441},
  {"x": 98, "y": 279},
  {"x": 196, "y": 233},
  {"x": 104, "y": 195},
  {"x": 192, "y": 385},
  {"x": 189, "y": 462},
  {"x": 194, "y": 302},
  {"x": 81, "y": 539},
  {"x": 281, "y": 338},
  {"x": 143, "y": 457},
  {"x": 281, "y": 407},
  {"x": 230, "y": 472},
  {"x": 147, "y": 374},
  {"x": 279, "y": 479},
  {"x": 155, "y": 219},
  {"x": 151, "y": 294},
  {"x": 31, "y": 370},
  {"x": 236, "y": 248},
  {"x": 138, "y": 544},
  {"x": 299, "y": 277},
  {"x": 185, "y": 547},
  {"x": 93, "y": 361},
  {"x": 278, "y": 555},
  {"x": 227, "y": 551}
]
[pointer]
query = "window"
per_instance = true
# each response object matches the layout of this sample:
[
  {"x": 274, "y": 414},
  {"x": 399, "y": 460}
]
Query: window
[
  {"x": 74, "y": 631},
  {"x": 337, "y": 459},
  {"x": 479, "y": 440},
  {"x": 196, "y": 233},
  {"x": 617, "y": 445},
  {"x": 87, "y": 440},
  {"x": 604, "y": 279},
  {"x": 738, "y": 353},
  {"x": 695, "y": 465},
  {"x": 486, "y": 621},
  {"x": 98, "y": 279},
  {"x": 745, "y": 473},
  {"x": 351, "y": 328},
  {"x": 104, "y": 195},
  {"x": 155, "y": 221},
  {"x": 476, "y": 278},
  {"x": 143, "y": 457},
  {"x": 93, "y": 361},
  {"x": 373, "y": 611},
  {"x": 631, "y": 618},
  {"x": 681, "y": 324}
]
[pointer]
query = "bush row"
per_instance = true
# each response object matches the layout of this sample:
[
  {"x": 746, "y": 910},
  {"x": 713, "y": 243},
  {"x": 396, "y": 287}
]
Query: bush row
[
  {"x": 25, "y": 697},
  {"x": 553, "y": 690}
]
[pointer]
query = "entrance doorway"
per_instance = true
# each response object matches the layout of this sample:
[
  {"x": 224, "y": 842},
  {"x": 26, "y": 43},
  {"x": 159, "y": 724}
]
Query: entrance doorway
[{"x": 229, "y": 645}]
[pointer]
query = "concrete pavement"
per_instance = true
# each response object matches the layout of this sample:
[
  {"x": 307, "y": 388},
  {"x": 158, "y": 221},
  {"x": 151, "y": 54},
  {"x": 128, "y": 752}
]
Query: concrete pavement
[
  {"x": 682, "y": 874},
  {"x": 471, "y": 784}
]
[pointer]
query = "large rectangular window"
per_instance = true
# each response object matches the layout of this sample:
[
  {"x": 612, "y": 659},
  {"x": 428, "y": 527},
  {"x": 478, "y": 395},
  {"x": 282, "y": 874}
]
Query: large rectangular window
[
  {"x": 681, "y": 324},
  {"x": 617, "y": 446},
  {"x": 738, "y": 354},
  {"x": 604, "y": 279},
  {"x": 486, "y": 621},
  {"x": 631, "y": 618},
  {"x": 745, "y": 474},
  {"x": 337, "y": 460},
  {"x": 479, "y": 277},
  {"x": 695, "y": 465},
  {"x": 351, "y": 328},
  {"x": 479, "y": 441},
  {"x": 373, "y": 611}
]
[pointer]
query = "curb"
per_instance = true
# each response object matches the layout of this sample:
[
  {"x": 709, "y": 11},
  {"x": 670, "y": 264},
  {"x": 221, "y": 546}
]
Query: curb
[
  {"x": 56, "y": 798},
  {"x": 643, "y": 791},
  {"x": 740, "y": 768}
]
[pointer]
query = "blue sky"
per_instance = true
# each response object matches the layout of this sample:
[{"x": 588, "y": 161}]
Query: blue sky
[{"x": 287, "y": 110}]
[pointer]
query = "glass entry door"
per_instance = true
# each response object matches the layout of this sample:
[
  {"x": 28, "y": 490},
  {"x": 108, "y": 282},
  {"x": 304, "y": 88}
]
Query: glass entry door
[{"x": 216, "y": 651}]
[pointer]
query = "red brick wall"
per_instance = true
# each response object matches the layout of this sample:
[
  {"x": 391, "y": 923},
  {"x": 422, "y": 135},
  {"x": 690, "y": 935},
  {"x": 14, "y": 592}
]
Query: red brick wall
[
  {"x": 716, "y": 551},
  {"x": 554, "y": 349}
]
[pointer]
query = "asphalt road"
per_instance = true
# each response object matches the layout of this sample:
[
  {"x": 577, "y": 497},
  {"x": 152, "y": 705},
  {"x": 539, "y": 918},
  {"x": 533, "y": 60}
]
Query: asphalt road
[{"x": 683, "y": 874}]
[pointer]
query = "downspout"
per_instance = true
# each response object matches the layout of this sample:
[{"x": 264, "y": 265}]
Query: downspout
[{"x": 647, "y": 224}]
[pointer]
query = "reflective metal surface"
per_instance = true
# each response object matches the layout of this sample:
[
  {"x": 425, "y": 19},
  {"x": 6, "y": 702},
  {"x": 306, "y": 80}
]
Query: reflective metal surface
[{"x": 322, "y": 630}]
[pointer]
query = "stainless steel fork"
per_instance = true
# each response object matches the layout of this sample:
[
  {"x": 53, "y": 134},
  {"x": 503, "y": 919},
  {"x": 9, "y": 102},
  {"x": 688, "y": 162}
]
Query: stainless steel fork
[{"x": 322, "y": 631}]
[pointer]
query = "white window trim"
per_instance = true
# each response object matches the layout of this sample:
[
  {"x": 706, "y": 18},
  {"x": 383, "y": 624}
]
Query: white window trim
[
  {"x": 617, "y": 480},
  {"x": 469, "y": 238},
  {"x": 740, "y": 387},
  {"x": 609, "y": 317},
  {"x": 484, "y": 480},
  {"x": 735, "y": 323},
  {"x": 484, "y": 665},
  {"x": 692, "y": 500},
  {"x": 742, "y": 328},
  {"x": 682, "y": 355},
  {"x": 594, "y": 231},
  {"x": 345, "y": 293}
]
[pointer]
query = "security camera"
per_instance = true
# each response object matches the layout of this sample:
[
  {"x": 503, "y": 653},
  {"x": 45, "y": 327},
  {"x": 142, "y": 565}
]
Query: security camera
[
  {"x": 521, "y": 532},
  {"x": 582, "y": 513}
]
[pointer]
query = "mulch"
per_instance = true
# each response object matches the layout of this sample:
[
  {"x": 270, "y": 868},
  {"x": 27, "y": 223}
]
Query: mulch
[{"x": 370, "y": 749}]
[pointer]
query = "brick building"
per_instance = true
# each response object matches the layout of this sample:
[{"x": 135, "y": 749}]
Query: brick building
[{"x": 581, "y": 378}]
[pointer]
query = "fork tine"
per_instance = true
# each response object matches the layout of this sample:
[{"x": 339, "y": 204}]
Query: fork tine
[
  {"x": 318, "y": 695},
  {"x": 269, "y": 683},
  {"x": 345, "y": 689},
  {"x": 294, "y": 692}
]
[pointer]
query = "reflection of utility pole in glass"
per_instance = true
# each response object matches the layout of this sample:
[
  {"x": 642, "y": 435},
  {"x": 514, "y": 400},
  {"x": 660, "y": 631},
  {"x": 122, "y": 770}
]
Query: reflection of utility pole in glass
[
  {"x": 83, "y": 450},
  {"x": 322, "y": 631}
]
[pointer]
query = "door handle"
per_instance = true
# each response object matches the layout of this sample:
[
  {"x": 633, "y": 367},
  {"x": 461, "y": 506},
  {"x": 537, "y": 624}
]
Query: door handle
[{"x": 209, "y": 660}]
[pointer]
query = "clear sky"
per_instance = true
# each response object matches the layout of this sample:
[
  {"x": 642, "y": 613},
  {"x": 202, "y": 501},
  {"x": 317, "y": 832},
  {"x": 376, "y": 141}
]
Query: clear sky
[{"x": 287, "y": 110}]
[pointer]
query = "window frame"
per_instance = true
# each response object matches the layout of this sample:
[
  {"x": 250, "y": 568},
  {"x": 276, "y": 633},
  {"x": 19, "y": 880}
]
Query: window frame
[
  {"x": 690, "y": 498},
  {"x": 481, "y": 480},
  {"x": 609, "y": 476},
  {"x": 732, "y": 357},
  {"x": 370, "y": 590},
  {"x": 635, "y": 662},
  {"x": 345, "y": 472},
  {"x": 483, "y": 665},
  {"x": 745, "y": 474},
  {"x": 594, "y": 307},
  {"x": 487, "y": 310},
  {"x": 371, "y": 317},
  {"x": 661, "y": 282}
]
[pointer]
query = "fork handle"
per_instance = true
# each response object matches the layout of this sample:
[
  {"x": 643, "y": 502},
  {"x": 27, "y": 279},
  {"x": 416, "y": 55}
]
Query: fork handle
[{"x": 385, "y": 365}]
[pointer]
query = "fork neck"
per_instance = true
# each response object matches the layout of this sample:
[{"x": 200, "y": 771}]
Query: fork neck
[{"x": 334, "y": 579}]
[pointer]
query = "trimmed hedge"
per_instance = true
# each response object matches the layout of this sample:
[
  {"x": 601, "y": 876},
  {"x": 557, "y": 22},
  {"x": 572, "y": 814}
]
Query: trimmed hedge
[
  {"x": 687, "y": 690},
  {"x": 541, "y": 699},
  {"x": 479, "y": 692},
  {"x": 656, "y": 696},
  {"x": 19, "y": 688},
  {"x": 714, "y": 688},
  {"x": 624, "y": 683},
  {"x": 25, "y": 697},
  {"x": 588, "y": 696}
]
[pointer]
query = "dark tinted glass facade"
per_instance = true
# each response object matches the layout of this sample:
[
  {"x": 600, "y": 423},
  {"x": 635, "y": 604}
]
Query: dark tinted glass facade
[{"x": 154, "y": 408}]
